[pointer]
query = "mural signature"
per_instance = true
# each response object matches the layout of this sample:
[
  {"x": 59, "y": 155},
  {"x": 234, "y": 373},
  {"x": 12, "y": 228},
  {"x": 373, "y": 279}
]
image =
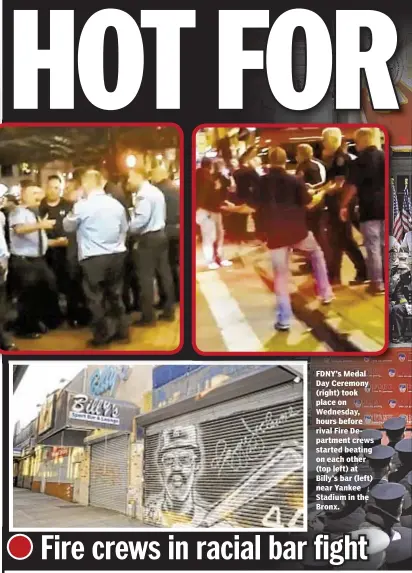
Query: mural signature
[{"x": 250, "y": 445}]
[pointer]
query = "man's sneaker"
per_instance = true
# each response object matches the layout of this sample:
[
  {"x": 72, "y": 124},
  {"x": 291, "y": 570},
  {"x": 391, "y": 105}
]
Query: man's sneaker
[
  {"x": 226, "y": 263},
  {"x": 213, "y": 267},
  {"x": 282, "y": 327},
  {"x": 327, "y": 300}
]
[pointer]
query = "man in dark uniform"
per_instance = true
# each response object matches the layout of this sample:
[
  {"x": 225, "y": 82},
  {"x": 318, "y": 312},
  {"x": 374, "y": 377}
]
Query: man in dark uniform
[
  {"x": 366, "y": 181},
  {"x": 404, "y": 451},
  {"x": 339, "y": 233},
  {"x": 371, "y": 438},
  {"x": 379, "y": 459},
  {"x": 55, "y": 207},
  {"x": 161, "y": 179},
  {"x": 401, "y": 307},
  {"x": 351, "y": 513},
  {"x": 384, "y": 511},
  {"x": 247, "y": 181},
  {"x": 395, "y": 430}
]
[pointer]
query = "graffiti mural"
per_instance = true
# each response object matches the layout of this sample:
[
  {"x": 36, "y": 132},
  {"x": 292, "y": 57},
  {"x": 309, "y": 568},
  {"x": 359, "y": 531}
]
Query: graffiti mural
[{"x": 244, "y": 470}]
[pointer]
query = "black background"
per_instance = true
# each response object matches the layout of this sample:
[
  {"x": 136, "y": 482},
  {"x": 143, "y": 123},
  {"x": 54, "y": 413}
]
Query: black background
[{"x": 199, "y": 104}]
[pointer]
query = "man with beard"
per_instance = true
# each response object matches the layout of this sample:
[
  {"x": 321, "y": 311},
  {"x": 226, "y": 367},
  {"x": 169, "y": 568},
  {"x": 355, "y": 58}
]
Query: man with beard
[{"x": 179, "y": 464}]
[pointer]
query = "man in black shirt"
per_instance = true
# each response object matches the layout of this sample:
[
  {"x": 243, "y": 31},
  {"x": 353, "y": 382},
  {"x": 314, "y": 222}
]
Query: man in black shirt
[
  {"x": 339, "y": 232},
  {"x": 55, "y": 208},
  {"x": 366, "y": 179},
  {"x": 283, "y": 202}
]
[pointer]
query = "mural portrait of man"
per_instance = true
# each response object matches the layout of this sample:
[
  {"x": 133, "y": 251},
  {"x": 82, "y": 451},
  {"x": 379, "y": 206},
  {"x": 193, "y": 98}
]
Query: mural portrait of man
[{"x": 179, "y": 462}]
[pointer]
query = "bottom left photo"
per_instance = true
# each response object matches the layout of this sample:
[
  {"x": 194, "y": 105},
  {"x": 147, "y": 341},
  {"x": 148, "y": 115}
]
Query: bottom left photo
[{"x": 157, "y": 445}]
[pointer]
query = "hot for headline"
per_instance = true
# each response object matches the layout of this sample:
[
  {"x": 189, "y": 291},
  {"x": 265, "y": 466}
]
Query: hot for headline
[
  {"x": 335, "y": 552},
  {"x": 68, "y": 51}
]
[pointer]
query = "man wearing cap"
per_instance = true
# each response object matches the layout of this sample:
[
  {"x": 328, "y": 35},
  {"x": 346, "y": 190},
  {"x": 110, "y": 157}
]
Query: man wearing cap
[
  {"x": 384, "y": 511},
  {"x": 179, "y": 464},
  {"x": 395, "y": 430},
  {"x": 351, "y": 514},
  {"x": 404, "y": 451},
  {"x": 379, "y": 459}
]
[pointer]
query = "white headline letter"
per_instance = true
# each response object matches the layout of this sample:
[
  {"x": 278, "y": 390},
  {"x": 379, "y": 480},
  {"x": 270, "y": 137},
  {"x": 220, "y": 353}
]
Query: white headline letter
[
  {"x": 130, "y": 59},
  {"x": 28, "y": 59},
  {"x": 350, "y": 59},
  {"x": 232, "y": 58},
  {"x": 318, "y": 59},
  {"x": 168, "y": 24}
]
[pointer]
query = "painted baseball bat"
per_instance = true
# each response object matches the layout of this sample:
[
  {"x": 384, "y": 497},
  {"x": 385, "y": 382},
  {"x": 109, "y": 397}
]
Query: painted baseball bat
[{"x": 279, "y": 464}]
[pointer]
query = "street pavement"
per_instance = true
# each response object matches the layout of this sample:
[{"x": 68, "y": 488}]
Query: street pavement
[
  {"x": 235, "y": 310},
  {"x": 32, "y": 509},
  {"x": 164, "y": 336}
]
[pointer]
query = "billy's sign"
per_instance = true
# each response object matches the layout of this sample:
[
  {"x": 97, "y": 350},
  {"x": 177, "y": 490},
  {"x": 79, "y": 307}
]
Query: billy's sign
[{"x": 89, "y": 409}]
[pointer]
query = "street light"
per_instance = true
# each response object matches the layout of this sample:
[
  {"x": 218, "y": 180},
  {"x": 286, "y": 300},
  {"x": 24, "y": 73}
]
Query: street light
[{"x": 131, "y": 161}]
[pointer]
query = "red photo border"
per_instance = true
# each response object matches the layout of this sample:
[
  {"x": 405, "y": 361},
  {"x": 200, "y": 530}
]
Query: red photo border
[
  {"x": 387, "y": 215},
  {"x": 92, "y": 352}
]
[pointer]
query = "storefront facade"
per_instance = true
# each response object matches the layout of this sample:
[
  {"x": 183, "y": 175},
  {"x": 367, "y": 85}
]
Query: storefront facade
[{"x": 223, "y": 461}]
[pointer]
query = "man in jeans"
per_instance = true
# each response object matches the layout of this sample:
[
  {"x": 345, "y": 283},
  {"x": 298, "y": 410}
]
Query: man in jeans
[
  {"x": 283, "y": 204},
  {"x": 367, "y": 179}
]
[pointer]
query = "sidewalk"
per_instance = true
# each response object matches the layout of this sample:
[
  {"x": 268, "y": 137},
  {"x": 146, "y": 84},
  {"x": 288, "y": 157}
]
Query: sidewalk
[{"x": 32, "y": 509}]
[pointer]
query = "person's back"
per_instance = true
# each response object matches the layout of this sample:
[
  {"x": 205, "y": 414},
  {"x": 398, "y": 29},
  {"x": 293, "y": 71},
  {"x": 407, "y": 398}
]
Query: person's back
[
  {"x": 172, "y": 199},
  {"x": 282, "y": 206},
  {"x": 102, "y": 224}
]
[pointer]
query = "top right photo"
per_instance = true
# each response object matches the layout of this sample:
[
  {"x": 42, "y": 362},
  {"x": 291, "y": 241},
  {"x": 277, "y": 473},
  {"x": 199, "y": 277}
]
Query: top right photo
[{"x": 291, "y": 238}]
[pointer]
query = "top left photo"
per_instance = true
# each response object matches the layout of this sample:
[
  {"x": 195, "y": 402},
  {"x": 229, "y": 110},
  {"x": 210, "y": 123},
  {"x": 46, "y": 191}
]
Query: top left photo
[{"x": 90, "y": 238}]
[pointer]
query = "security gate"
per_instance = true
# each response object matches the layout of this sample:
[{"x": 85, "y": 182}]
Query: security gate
[
  {"x": 109, "y": 473},
  {"x": 236, "y": 464}
]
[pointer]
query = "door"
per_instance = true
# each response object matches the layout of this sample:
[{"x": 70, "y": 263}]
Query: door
[{"x": 109, "y": 474}]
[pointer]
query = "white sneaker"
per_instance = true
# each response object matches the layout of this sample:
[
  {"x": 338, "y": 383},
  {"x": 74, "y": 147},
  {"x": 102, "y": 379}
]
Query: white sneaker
[
  {"x": 226, "y": 263},
  {"x": 327, "y": 300},
  {"x": 213, "y": 267}
]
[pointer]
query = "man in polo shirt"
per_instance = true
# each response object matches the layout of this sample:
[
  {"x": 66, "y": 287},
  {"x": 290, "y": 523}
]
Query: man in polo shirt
[
  {"x": 148, "y": 221},
  {"x": 366, "y": 179},
  {"x": 101, "y": 228},
  {"x": 37, "y": 307}
]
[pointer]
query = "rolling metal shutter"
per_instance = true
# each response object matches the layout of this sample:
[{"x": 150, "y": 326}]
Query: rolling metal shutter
[
  {"x": 245, "y": 457},
  {"x": 109, "y": 473}
]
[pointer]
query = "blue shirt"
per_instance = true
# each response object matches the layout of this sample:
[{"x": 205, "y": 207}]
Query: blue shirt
[
  {"x": 100, "y": 224},
  {"x": 149, "y": 213},
  {"x": 27, "y": 245},
  {"x": 4, "y": 251}
]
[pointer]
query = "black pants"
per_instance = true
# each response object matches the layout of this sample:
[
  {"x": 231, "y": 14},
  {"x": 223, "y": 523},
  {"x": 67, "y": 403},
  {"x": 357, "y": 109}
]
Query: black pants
[
  {"x": 38, "y": 300},
  {"x": 398, "y": 316},
  {"x": 152, "y": 258},
  {"x": 103, "y": 288},
  {"x": 131, "y": 290},
  {"x": 173, "y": 237},
  {"x": 77, "y": 310},
  {"x": 341, "y": 240},
  {"x": 4, "y": 339}
]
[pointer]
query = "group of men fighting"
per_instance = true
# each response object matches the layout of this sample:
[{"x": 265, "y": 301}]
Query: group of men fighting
[
  {"x": 98, "y": 248},
  {"x": 313, "y": 211}
]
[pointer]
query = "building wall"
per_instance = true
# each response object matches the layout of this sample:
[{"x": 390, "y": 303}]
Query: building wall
[{"x": 84, "y": 477}]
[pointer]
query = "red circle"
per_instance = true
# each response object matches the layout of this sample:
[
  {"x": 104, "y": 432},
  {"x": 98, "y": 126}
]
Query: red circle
[{"x": 20, "y": 546}]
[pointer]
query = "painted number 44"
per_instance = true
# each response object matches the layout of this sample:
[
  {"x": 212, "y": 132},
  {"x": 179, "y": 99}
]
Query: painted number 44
[{"x": 274, "y": 515}]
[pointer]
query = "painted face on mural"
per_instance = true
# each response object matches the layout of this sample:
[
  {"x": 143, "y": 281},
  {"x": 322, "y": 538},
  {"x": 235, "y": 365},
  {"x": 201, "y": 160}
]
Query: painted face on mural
[{"x": 179, "y": 468}]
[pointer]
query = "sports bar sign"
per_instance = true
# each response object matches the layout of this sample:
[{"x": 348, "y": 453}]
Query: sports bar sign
[{"x": 90, "y": 409}]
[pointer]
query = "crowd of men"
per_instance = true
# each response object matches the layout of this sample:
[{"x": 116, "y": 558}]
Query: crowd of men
[
  {"x": 400, "y": 291},
  {"x": 374, "y": 498},
  {"x": 90, "y": 255},
  {"x": 313, "y": 211}
]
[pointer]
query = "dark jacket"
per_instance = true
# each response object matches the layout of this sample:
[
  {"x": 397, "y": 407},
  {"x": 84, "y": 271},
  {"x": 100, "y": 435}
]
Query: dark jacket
[
  {"x": 207, "y": 196},
  {"x": 282, "y": 208},
  {"x": 172, "y": 199}
]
